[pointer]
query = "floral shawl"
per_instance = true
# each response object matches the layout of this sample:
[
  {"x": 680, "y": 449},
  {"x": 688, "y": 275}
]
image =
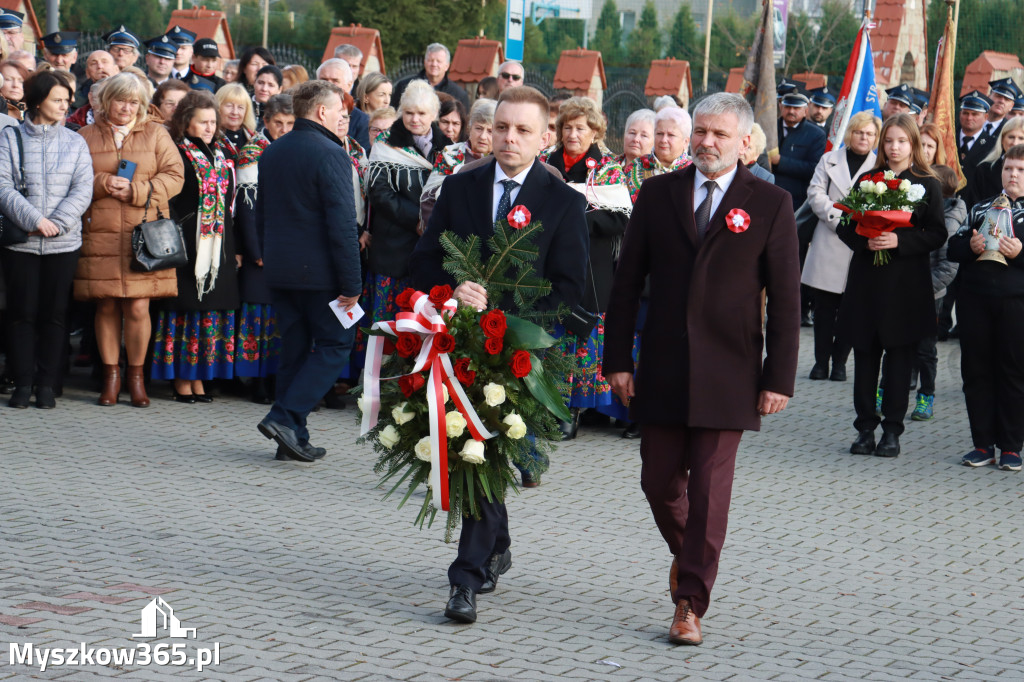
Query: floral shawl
[
  {"x": 247, "y": 163},
  {"x": 358, "y": 156},
  {"x": 403, "y": 160},
  {"x": 449, "y": 161},
  {"x": 214, "y": 183},
  {"x": 647, "y": 166},
  {"x": 606, "y": 187}
]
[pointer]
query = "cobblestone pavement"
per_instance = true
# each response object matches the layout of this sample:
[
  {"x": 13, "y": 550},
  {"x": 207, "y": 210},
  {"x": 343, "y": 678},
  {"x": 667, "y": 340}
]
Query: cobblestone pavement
[{"x": 836, "y": 567}]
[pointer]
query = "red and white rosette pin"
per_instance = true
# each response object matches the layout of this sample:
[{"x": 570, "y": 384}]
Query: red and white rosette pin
[
  {"x": 519, "y": 217},
  {"x": 737, "y": 220},
  {"x": 591, "y": 163}
]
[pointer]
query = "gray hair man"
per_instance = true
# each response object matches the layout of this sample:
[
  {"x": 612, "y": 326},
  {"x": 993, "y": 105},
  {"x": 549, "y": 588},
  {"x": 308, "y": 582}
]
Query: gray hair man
[
  {"x": 511, "y": 74},
  {"x": 352, "y": 55},
  {"x": 435, "y": 71},
  {"x": 338, "y": 72}
]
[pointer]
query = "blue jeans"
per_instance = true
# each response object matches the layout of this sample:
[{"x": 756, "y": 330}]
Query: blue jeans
[{"x": 314, "y": 349}]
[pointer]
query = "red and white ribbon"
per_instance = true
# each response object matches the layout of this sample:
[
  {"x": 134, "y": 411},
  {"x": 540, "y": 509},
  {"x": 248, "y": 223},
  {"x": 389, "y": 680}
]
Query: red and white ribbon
[{"x": 426, "y": 322}]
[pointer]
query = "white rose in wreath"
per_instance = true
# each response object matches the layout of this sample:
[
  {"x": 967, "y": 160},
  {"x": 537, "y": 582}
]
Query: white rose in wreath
[
  {"x": 494, "y": 394},
  {"x": 516, "y": 426},
  {"x": 889, "y": 175},
  {"x": 473, "y": 452},
  {"x": 400, "y": 415},
  {"x": 389, "y": 436},
  {"x": 361, "y": 403},
  {"x": 422, "y": 449},
  {"x": 455, "y": 424}
]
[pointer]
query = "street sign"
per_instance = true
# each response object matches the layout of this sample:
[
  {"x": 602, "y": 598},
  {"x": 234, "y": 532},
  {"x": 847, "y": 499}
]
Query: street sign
[{"x": 515, "y": 29}]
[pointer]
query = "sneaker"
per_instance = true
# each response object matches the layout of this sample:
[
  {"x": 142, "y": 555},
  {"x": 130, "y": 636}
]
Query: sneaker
[
  {"x": 1009, "y": 461},
  {"x": 925, "y": 408},
  {"x": 979, "y": 457},
  {"x": 878, "y": 401}
]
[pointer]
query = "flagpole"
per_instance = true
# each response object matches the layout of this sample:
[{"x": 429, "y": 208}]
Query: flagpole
[{"x": 707, "y": 48}]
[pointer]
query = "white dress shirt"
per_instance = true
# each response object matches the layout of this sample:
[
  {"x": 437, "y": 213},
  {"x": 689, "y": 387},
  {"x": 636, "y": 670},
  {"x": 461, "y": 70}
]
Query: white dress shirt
[
  {"x": 499, "y": 189},
  {"x": 699, "y": 192}
]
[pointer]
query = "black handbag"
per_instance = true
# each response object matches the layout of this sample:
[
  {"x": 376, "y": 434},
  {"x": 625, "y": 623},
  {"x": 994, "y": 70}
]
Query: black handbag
[
  {"x": 157, "y": 244},
  {"x": 9, "y": 232},
  {"x": 581, "y": 322}
]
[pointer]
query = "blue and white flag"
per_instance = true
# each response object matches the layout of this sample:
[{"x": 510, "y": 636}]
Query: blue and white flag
[{"x": 859, "y": 93}]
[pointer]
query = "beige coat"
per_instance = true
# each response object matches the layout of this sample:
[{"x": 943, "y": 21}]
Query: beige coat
[
  {"x": 104, "y": 267},
  {"x": 828, "y": 258}
]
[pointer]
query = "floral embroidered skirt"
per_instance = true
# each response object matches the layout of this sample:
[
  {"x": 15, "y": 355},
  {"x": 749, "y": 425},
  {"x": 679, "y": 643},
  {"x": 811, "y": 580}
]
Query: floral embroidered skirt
[
  {"x": 378, "y": 301},
  {"x": 194, "y": 345},
  {"x": 616, "y": 410},
  {"x": 258, "y": 347},
  {"x": 588, "y": 385}
]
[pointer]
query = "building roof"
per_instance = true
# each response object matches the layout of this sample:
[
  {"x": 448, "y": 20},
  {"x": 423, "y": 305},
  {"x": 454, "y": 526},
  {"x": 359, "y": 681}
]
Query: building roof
[
  {"x": 576, "y": 69},
  {"x": 811, "y": 80},
  {"x": 888, "y": 18},
  {"x": 204, "y": 23},
  {"x": 981, "y": 70},
  {"x": 25, "y": 7},
  {"x": 735, "y": 81},
  {"x": 366, "y": 39},
  {"x": 667, "y": 76},
  {"x": 474, "y": 59}
]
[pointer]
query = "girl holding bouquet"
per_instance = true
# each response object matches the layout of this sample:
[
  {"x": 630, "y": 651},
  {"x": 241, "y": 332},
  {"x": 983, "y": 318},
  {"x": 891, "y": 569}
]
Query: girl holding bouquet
[{"x": 889, "y": 308}]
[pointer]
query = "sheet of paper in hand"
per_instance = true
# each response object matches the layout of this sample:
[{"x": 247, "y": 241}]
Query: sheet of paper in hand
[{"x": 346, "y": 317}]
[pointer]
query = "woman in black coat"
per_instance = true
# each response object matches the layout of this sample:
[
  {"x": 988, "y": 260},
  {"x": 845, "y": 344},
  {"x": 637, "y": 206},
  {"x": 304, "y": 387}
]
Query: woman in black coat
[
  {"x": 890, "y": 307},
  {"x": 195, "y": 335}
]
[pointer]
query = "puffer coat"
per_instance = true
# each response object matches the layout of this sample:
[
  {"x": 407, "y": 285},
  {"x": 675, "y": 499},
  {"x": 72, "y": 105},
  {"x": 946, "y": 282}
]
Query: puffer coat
[
  {"x": 104, "y": 269},
  {"x": 58, "y": 175}
]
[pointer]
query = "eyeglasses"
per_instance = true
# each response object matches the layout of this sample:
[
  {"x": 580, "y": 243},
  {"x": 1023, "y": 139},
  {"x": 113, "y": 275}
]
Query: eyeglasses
[
  {"x": 375, "y": 131},
  {"x": 511, "y": 76}
]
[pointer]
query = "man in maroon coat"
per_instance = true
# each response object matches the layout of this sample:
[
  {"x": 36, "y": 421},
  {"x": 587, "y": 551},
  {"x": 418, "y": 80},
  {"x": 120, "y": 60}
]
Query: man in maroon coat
[{"x": 711, "y": 238}]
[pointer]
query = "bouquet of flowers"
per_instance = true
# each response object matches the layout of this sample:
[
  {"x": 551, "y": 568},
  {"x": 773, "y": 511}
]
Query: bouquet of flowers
[
  {"x": 453, "y": 397},
  {"x": 881, "y": 203}
]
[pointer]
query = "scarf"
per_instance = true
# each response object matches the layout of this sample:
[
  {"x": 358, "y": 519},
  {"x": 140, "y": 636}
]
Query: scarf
[
  {"x": 246, "y": 165},
  {"x": 121, "y": 132},
  {"x": 606, "y": 188},
  {"x": 214, "y": 182},
  {"x": 358, "y": 156},
  {"x": 384, "y": 158},
  {"x": 647, "y": 166},
  {"x": 449, "y": 161},
  {"x": 569, "y": 160}
]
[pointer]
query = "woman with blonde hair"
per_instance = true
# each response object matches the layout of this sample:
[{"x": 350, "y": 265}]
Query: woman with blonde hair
[
  {"x": 237, "y": 117},
  {"x": 123, "y": 132},
  {"x": 934, "y": 153},
  {"x": 373, "y": 92},
  {"x": 293, "y": 74},
  {"x": 988, "y": 178}
]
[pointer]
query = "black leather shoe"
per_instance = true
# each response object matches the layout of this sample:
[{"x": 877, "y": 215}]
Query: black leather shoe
[
  {"x": 314, "y": 452},
  {"x": 20, "y": 397},
  {"x": 461, "y": 604},
  {"x": 286, "y": 439},
  {"x": 865, "y": 443},
  {"x": 205, "y": 398},
  {"x": 497, "y": 566},
  {"x": 570, "y": 428},
  {"x": 819, "y": 372},
  {"x": 632, "y": 431},
  {"x": 187, "y": 398},
  {"x": 45, "y": 400},
  {"x": 889, "y": 446},
  {"x": 838, "y": 373}
]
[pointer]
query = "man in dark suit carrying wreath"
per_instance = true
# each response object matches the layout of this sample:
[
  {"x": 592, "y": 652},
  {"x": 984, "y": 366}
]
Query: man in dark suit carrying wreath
[{"x": 710, "y": 238}]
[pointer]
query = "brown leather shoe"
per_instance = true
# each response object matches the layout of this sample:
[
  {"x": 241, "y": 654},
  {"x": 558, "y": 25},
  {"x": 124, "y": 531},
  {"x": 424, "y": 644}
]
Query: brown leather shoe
[
  {"x": 137, "y": 386},
  {"x": 111, "y": 385},
  {"x": 685, "y": 625}
]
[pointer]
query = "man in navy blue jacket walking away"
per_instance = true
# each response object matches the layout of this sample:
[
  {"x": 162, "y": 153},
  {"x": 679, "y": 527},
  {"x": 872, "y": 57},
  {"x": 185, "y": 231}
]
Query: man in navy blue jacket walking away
[{"x": 305, "y": 212}]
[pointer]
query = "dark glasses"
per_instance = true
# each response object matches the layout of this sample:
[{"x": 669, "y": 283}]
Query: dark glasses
[{"x": 511, "y": 76}]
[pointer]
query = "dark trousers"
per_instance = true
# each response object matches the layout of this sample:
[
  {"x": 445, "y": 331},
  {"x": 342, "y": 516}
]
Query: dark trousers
[
  {"x": 480, "y": 538},
  {"x": 314, "y": 349},
  {"x": 826, "y": 315},
  {"x": 895, "y": 398},
  {"x": 948, "y": 303},
  {"x": 687, "y": 477},
  {"x": 992, "y": 366},
  {"x": 38, "y": 295}
]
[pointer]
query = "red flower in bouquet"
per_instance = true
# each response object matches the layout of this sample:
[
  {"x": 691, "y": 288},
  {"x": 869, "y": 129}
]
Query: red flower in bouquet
[
  {"x": 494, "y": 324},
  {"x": 439, "y": 295},
  {"x": 881, "y": 203},
  {"x": 463, "y": 373},
  {"x": 408, "y": 344},
  {"x": 519, "y": 217},
  {"x": 389, "y": 347},
  {"x": 893, "y": 183},
  {"x": 404, "y": 299},
  {"x": 411, "y": 383},
  {"x": 493, "y": 346},
  {"x": 520, "y": 364},
  {"x": 444, "y": 342}
]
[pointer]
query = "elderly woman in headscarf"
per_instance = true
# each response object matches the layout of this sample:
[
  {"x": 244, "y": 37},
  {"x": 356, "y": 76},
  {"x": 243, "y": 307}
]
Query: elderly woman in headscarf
[
  {"x": 400, "y": 162},
  {"x": 588, "y": 167},
  {"x": 672, "y": 128}
]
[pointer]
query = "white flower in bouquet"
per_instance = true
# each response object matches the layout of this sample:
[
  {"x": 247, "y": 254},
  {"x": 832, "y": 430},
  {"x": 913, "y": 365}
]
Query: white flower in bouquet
[
  {"x": 389, "y": 437},
  {"x": 422, "y": 449},
  {"x": 516, "y": 426},
  {"x": 361, "y": 403},
  {"x": 915, "y": 193},
  {"x": 455, "y": 424},
  {"x": 867, "y": 186},
  {"x": 904, "y": 185},
  {"x": 881, "y": 188},
  {"x": 444, "y": 389},
  {"x": 473, "y": 452},
  {"x": 400, "y": 415},
  {"x": 494, "y": 394},
  {"x": 889, "y": 175}
]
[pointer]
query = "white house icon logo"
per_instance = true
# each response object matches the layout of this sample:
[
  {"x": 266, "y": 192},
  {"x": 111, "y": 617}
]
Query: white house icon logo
[{"x": 170, "y": 622}]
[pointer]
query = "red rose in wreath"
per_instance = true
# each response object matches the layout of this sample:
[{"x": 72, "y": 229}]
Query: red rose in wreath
[
  {"x": 408, "y": 344},
  {"x": 494, "y": 324},
  {"x": 520, "y": 364},
  {"x": 493, "y": 346},
  {"x": 463, "y": 373},
  {"x": 389, "y": 347},
  {"x": 439, "y": 295},
  {"x": 737, "y": 220},
  {"x": 444, "y": 342},
  {"x": 519, "y": 217},
  {"x": 404, "y": 299},
  {"x": 411, "y": 383}
]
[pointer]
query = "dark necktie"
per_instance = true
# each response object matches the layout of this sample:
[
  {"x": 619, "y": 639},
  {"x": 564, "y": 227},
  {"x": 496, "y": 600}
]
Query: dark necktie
[
  {"x": 505, "y": 202},
  {"x": 703, "y": 215},
  {"x": 965, "y": 146}
]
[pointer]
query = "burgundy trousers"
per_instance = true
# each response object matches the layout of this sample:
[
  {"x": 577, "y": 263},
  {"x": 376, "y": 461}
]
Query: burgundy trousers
[{"x": 687, "y": 478}]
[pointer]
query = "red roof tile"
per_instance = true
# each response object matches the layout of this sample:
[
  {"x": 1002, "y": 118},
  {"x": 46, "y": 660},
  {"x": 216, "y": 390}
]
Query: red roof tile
[
  {"x": 888, "y": 18},
  {"x": 981, "y": 70},
  {"x": 811, "y": 80},
  {"x": 25, "y": 7},
  {"x": 204, "y": 23},
  {"x": 475, "y": 59},
  {"x": 735, "y": 79},
  {"x": 576, "y": 69},
  {"x": 667, "y": 76},
  {"x": 366, "y": 39}
]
